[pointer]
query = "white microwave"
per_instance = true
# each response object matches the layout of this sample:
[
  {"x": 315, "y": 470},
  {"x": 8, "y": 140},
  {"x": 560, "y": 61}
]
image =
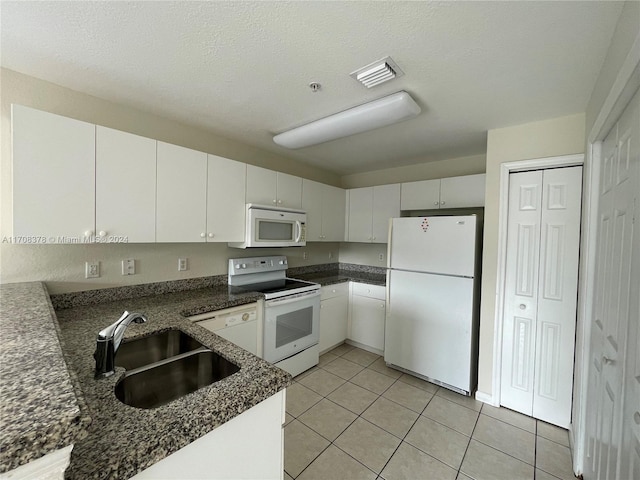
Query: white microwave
[{"x": 273, "y": 227}]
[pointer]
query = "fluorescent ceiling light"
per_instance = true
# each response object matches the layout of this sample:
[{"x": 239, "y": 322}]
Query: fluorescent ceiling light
[{"x": 379, "y": 113}]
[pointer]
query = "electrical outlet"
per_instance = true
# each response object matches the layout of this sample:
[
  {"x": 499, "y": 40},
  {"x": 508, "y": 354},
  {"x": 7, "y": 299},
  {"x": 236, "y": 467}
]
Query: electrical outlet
[
  {"x": 182, "y": 264},
  {"x": 128, "y": 266},
  {"x": 92, "y": 270},
  {"x": 330, "y": 255},
  {"x": 381, "y": 257},
  {"x": 304, "y": 255}
]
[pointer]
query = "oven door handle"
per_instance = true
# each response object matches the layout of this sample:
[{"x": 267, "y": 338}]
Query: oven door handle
[
  {"x": 298, "y": 231},
  {"x": 295, "y": 298}
]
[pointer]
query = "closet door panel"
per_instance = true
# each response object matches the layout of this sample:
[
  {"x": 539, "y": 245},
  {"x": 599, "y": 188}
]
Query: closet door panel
[
  {"x": 558, "y": 283},
  {"x": 521, "y": 291}
]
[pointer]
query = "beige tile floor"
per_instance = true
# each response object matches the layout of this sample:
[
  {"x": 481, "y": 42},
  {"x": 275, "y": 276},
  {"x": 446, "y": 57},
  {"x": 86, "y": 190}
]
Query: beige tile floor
[{"x": 352, "y": 417}]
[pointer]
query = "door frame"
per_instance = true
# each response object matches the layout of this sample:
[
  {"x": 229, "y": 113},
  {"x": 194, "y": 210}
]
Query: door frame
[
  {"x": 505, "y": 170},
  {"x": 622, "y": 90}
]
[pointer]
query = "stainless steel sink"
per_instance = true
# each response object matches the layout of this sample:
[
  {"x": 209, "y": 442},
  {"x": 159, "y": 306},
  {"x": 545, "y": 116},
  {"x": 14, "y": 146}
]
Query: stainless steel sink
[
  {"x": 168, "y": 380},
  {"x": 146, "y": 350}
]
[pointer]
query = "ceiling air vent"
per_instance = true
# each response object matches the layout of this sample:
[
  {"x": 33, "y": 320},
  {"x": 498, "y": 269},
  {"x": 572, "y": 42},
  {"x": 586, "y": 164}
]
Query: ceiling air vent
[{"x": 377, "y": 72}]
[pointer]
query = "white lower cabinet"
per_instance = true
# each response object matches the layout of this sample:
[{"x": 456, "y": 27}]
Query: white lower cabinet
[
  {"x": 334, "y": 311},
  {"x": 367, "y": 316},
  {"x": 250, "y": 445}
]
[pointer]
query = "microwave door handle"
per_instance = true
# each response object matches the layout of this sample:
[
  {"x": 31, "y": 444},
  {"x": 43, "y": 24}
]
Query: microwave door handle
[{"x": 299, "y": 231}]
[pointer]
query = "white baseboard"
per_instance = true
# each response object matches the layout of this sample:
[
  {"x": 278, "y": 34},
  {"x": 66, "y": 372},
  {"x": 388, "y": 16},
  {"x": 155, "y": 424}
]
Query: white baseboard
[{"x": 486, "y": 398}]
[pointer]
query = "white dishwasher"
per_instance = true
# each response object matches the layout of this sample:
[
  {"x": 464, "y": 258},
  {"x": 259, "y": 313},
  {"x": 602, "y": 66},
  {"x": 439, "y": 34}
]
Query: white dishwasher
[{"x": 239, "y": 325}]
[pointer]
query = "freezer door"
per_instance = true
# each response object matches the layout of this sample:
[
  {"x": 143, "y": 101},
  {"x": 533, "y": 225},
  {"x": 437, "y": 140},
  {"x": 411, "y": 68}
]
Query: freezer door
[
  {"x": 434, "y": 244},
  {"x": 429, "y": 326}
]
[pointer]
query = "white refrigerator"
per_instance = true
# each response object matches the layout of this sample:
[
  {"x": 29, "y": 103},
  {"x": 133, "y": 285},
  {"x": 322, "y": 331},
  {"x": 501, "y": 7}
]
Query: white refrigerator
[{"x": 432, "y": 304}]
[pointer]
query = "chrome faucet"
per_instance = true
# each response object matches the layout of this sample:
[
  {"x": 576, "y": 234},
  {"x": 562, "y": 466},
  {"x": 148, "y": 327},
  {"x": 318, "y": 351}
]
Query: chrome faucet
[{"x": 109, "y": 340}]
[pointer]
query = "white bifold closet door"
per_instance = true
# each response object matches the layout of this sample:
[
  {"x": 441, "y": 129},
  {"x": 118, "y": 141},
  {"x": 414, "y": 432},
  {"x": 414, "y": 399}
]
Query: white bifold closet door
[{"x": 543, "y": 238}]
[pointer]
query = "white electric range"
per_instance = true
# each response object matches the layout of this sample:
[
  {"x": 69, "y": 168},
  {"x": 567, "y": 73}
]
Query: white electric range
[{"x": 291, "y": 310}]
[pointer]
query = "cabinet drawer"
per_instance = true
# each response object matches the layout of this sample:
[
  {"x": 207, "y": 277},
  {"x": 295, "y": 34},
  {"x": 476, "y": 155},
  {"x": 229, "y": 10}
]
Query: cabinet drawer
[
  {"x": 330, "y": 291},
  {"x": 367, "y": 290}
]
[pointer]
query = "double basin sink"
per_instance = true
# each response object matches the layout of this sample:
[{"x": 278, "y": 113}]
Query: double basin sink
[{"x": 166, "y": 366}]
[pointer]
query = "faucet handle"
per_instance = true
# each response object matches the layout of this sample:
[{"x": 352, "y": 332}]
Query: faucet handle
[{"x": 110, "y": 330}]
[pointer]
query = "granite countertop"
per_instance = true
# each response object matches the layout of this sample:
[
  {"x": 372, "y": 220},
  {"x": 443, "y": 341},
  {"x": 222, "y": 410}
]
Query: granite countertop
[
  {"x": 331, "y": 277},
  {"x": 123, "y": 440},
  {"x": 40, "y": 410},
  {"x": 50, "y": 398}
]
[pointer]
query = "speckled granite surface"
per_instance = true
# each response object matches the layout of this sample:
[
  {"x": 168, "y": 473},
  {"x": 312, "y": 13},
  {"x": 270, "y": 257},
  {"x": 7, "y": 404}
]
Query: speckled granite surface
[
  {"x": 343, "y": 272},
  {"x": 94, "y": 297},
  {"x": 39, "y": 409},
  {"x": 123, "y": 440},
  {"x": 55, "y": 405}
]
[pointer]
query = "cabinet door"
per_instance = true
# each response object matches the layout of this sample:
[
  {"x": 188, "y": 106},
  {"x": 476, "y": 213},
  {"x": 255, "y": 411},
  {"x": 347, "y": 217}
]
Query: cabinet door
[
  {"x": 467, "y": 191},
  {"x": 333, "y": 214},
  {"x": 48, "y": 150},
  {"x": 312, "y": 195},
  {"x": 225, "y": 200},
  {"x": 367, "y": 321},
  {"x": 289, "y": 190},
  {"x": 125, "y": 186},
  {"x": 360, "y": 214},
  {"x": 333, "y": 321},
  {"x": 182, "y": 194},
  {"x": 386, "y": 205},
  {"x": 261, "y": 186},
  {"x": 421, "y": 195}
]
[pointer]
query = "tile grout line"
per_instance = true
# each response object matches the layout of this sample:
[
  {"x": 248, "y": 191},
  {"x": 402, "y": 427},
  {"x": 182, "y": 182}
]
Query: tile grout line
[
  {"x": 466, "y": 450},
  {"x": 402, "y": 440},
  {"x": 397, "y": 379}
]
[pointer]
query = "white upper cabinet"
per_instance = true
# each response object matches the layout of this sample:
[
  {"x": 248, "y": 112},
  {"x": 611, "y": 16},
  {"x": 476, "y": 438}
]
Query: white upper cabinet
[
  {"x": 125, "y": 186},
  {"x": 226, "y": 200},
  {"x": 459, "y": 192},
  {"x": 420, "y": 195},
  {"x": 370, "y": 209},
  {"x": 48, "y": 151},
  {"x": 289, "y": 191},
  {"x": 386, "y": 205},
  {"x": 325, "y": 206},
  {"x": 360, "y": 214},
  {"x": 452, "y": 192},
  {"x": 181, "y": 209},
  {"x": 268, "y": 187},
  {"x": 262, "y": 185},
  {"x": 312, "y": 204},
  {"x": 334, "y": 205}
]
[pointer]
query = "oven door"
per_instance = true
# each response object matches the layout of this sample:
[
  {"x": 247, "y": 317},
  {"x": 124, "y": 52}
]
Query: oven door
[{"x": 291, "y": 324}]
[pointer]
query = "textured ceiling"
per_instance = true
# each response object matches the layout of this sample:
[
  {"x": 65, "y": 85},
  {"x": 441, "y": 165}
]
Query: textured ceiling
[{"x": 242, "y": 69}]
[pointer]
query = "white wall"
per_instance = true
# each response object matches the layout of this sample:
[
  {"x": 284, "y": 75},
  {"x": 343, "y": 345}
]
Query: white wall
[
  {"x": 364, "y": 254},
  {"x": 450, "y": 167},
  {"x": 62, "y": 266},
  {"x": 548, "y": 138}
]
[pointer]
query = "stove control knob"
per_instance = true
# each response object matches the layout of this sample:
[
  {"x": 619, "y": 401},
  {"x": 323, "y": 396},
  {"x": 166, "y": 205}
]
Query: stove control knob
[
  {"x": 237, "y": 265},
  {"x": 244, "y": 265}
]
